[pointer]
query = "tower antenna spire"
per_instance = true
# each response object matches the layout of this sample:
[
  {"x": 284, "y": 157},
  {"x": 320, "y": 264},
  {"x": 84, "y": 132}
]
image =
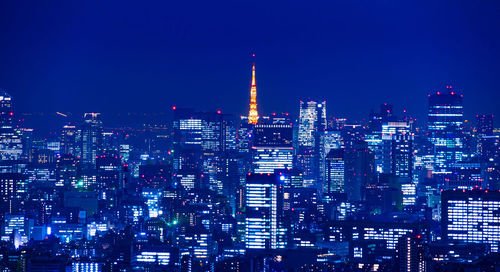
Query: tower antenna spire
[{"x": 253, "y": 115}]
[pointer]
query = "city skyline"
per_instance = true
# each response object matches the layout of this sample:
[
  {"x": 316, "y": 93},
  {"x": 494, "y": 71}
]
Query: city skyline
[{"x": 249, "y": 136}]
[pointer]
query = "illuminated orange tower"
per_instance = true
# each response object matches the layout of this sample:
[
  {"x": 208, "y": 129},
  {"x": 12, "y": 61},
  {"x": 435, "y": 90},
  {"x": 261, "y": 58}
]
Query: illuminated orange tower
[{"x": 253, "y": 114}]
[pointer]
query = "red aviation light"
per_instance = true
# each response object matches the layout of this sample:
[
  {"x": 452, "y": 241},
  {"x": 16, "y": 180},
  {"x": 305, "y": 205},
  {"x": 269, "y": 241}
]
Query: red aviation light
[{"x": 174, "y": 107}]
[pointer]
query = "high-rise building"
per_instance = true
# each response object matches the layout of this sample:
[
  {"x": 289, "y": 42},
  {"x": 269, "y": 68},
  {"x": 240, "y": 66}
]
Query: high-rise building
[
  {"x": 109, "y": 179},
  {"x": 68, "y": 139},
  {"x": 484, "y": 124},
  {"x": 359, "y": 169},
  {"x": 471, "y": 217},
  {"x": 272, "y": 148},
  {"x": 488, "y": 149},
  {"x": 11, "y": 147},
  {"x": 335, "y": 172},
  {"x": 312, "y": 123},
  {"x": 312, "y": 119},
  {"x": 202, "y": 142},
  {"x": 66, "y": 171},
  {"x": 386, "y": 114},
  {"x": 264, "y": 212},
  {"x": 253, "y": 114},
  {"x": 410, "y": 253},
  {"x": 397, "y": 144},
  {"x": 445, "y": 129},
  {"x": 91, "y": 137},
  {"x": 13, "y": 191},
  {"x": 187, "y": 139}
]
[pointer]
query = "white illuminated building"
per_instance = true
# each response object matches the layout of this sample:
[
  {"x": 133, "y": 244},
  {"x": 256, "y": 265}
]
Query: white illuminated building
[{"x": 472, "y": 217}]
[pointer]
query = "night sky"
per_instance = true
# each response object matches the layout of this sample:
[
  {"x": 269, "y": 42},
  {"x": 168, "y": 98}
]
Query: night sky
[{"x": 120, "y": 56}]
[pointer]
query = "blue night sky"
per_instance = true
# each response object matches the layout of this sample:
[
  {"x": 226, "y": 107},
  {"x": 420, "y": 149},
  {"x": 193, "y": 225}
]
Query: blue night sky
[{"x": 149, "y": 55}]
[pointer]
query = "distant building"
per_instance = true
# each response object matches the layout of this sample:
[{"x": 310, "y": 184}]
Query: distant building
[
  {"x": 69, "y": 136},
  {"x": 11, "y": 147},
  {"x": 13, "y": 191},
  {"x": 272, "y": 148},
  {"x": 445, "y": 129},
  {"x": 312, "y": 123},
  {"x": 359, "y": 170},
  {"x": 335, "y": 172},
  {"x": 397, "y": 149},
  {"x": 410, "y": 253},
  {"x": 91, "y": 138}
]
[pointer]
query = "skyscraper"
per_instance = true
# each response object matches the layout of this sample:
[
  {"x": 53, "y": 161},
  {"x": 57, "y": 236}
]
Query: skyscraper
[
  {"x": 272, "y": 148},
  {"x": 410, "y": 253},
  {"x": 11, "y": 147},
  {"x": 312, "y": 123},
  {"x": 91, "y": 137},
  {"x": 335, "y": 172},
  {"x": 359, "y": 170},
  {"x": 187, "y": 140},
  {"x": 264, "y": 212},
  {"x": 484, "y": 124},
  {"x": 445, "y": 129},
  {"x": 68, "y": 140},
  {"x": 397, "y": 144},
  {"x": 253, "y": 114},
  {"x": 13, "y": 190},
  {"x": 312, "y": 118}
]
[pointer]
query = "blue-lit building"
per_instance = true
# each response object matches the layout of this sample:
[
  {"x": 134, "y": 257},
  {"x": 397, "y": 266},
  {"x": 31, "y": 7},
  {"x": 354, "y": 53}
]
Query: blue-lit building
[
  {"x": 264, "y": 212},
  {"x": 335, "y": 172},
  {"x": 91, "y": 137},
  {"x": 11, "y": 146},
  {"x": 471, "y": 216},
  {"x": 397, "y": 144},
  {"x": 311, "y": 125},
  {"x": 445, "y": 129},
  {"x": 272, "y": 148}
]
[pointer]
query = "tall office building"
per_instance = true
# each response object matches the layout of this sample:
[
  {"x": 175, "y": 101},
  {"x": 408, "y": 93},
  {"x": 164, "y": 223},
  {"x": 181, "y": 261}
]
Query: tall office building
[
  {"x": 13, "y": 191},
  {"x": 109, "y": 179},
  {"x": 359, "y": 170},
  {"x": 91, "y": 138},
  {"x": 471, "y": 217},
  {"x": 335, "y": 172},
  {"x": 272, "y": 148},
  {"x": 445, "y": 129},
  {"x": 397, "y": 141},
  {"x": 187, "y": 139},
  {"x": 68, "y": 140},
  {"x": 66, "y": 171},
  {"x": 312, "y": 123},
  {"x": 6, "y": 113},
  {"x": 203, "y": 141},
  {"x": 386, "y": 114},
  {"x": 312, "y": 119},
  {"x": 410, "y": 253},
  {"x": 264, "y": 212},
  {"x": 484, "y": 124},
  {"x": 11, "y": 147}
]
